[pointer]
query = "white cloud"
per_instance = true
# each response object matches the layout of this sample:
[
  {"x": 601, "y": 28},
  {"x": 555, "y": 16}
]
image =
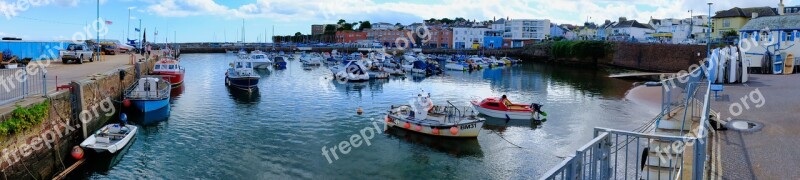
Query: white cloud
[{"x": 559, "y": 11}]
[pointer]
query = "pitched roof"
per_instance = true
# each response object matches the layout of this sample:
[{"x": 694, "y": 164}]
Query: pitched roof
[
  {"x": 746, "y": 12},
  {"x": 500, "y": 21},
  {"x": 786, "y": 22},
  {"x": 632, "y": 23}
]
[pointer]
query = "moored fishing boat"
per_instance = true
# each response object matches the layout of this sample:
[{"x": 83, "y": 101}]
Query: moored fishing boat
[
  {"x": 241, "y": 75},
  {"x": 110, "y": 139},
  {"x": 280, "y": 62},
  {"x": 170, "y": 69},
  {"x": 502, "y": 108},
  {"x": 446, "y": 121},
  {"x": 149, "y": 93}
]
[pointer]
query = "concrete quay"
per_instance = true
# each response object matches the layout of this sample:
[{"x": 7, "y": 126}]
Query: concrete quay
[{"x": 772, "y": 152}]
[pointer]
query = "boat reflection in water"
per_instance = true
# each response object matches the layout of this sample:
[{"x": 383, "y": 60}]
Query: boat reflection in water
[
  {"x": 177, "y": 91},
  {"x": 458, "y": 147},
  {"x": 500, "y": 125},
  {"x": 245, "y": 96}
]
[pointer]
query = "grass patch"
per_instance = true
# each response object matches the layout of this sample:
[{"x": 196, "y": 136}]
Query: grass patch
[{"x": 25, "y": 118}]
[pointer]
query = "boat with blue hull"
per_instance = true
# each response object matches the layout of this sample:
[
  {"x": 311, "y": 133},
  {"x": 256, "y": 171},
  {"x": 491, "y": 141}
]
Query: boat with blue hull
[
  {"x": 149, "y": 93},
  {"x": 241, "y": 75}
]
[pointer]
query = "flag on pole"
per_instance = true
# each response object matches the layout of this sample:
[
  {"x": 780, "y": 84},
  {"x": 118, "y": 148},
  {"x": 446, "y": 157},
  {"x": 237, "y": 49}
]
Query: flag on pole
[
  {"x": 137, "y": 29},
  {"x": 108, "y": 22}
]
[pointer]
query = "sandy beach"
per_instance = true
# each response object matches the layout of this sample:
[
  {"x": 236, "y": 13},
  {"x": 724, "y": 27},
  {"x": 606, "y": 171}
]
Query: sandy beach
[{"x": 649, "y": 97}]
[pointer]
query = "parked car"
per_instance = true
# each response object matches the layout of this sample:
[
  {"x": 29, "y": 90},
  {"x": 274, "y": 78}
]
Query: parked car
[
  {"x": 77, "y": 52},
  {"x": 108, "y": 49}
]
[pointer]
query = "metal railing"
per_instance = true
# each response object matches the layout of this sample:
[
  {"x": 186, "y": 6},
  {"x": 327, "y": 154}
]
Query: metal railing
[
  {"x": 616, "y": 154},
  {"x": 625, "y": 154},
  {"x": 16, "y": 84}
]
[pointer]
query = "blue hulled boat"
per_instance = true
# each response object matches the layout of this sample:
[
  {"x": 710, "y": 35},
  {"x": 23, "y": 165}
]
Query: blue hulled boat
[
  {"x": 149, "y": 93},
  {"x": 241, "y": 75}
]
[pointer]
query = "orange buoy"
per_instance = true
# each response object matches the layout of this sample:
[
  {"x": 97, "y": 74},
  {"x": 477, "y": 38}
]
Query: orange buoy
[
  {"x": 418, "y": 128},
  {"x": 359, "y": 111},
  {"x": 126, "y": 103},
  {"x": 77, "y": 152},
  {"x": 454, "y": 130},
  {"x": 407, "y": 125},
  {"x": 435, "y": 131}
]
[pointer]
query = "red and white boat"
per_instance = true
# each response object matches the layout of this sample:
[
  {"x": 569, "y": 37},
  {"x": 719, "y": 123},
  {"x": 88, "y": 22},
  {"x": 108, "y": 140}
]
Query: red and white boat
[
  {"x": 495, "y": 107},
  {"x": 423, "y": 117},
  {"x": 170, "y": 69}
]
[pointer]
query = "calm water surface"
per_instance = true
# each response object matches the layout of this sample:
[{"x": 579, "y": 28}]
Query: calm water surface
[{"x": 278, "y": 132}]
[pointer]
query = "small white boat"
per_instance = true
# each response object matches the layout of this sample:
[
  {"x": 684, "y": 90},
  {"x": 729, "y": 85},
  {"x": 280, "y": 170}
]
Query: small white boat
[
  {"x": 352, "y": 70},
  {"x": 260, "y": 60},
  {"x": 110, "y": 138},
  {"x": 446, "y": 121},
  {"x": 312, "y": 59},
  {"x": 242, "y": 54}
]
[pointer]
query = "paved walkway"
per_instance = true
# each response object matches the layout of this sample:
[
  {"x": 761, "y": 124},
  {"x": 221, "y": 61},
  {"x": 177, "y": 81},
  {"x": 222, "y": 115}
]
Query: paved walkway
[
  {"x": 774, "y": 151},
  {"x": 66, "y": 73}
]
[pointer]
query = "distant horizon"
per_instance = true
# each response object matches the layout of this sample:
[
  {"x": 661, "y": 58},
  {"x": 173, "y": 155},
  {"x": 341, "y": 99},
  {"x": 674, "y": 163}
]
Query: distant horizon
[{"x": 221, "y": 21}]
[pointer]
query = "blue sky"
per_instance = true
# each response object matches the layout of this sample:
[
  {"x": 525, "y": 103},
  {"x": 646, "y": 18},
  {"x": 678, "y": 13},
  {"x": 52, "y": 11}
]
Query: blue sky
[{"x": 209, "y": 20}]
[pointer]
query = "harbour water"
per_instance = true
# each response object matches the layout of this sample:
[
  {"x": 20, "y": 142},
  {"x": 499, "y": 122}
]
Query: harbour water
[{"x": 280, "y": 130}]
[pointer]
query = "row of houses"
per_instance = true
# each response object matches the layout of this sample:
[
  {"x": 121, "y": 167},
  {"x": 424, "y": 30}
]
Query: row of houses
[
  {"x": 672, "y": 30},
  {"x": 502, "y": 33}
]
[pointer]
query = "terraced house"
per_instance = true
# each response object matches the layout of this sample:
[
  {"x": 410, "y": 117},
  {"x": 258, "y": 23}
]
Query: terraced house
[{"x": 733, "y": 19}]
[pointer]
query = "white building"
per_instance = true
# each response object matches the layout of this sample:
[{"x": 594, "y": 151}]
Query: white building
[
  {"x": 468, "y": 37},
  {"x": 632, "y": 30},
  {"x": 678, "y": 31},
  {"x": 522, "y": 31},
  {"x": 383, "y": 26}
]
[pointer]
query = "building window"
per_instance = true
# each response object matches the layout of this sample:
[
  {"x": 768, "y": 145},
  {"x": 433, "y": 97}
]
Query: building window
[{"x": 726, "y": 23}]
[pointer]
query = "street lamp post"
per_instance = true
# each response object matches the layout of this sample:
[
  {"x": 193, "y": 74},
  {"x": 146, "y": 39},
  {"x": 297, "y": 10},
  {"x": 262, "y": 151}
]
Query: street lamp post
[{"x": 708, "y": 33}]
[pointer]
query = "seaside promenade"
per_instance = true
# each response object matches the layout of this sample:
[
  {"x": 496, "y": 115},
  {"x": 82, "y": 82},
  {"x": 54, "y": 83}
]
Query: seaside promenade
[{"x": 772, "y": 151}]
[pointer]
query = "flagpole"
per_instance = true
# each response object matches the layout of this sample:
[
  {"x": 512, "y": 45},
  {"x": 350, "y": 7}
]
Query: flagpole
[
  {"x": 140, "y": 33},
  {"x": 98, "y": 30}
]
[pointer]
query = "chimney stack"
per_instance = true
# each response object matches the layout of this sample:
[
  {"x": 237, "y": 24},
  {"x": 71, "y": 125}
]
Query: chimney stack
[
  {"x": 755, "y": 15},
  {"x": 781, "y": 8},
  {"x": 622, "y": 19}
]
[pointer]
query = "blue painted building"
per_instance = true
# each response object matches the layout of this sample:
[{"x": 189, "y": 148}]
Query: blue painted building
[
  {"x": 36, "y": 50},
  {"x": 493, "y": 39},
  {"x": 556, "y": 31}
]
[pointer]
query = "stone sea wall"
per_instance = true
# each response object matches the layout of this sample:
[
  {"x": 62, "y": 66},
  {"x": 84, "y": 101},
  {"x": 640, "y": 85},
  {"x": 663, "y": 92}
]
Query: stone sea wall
[{"x": 43, "y": 151}]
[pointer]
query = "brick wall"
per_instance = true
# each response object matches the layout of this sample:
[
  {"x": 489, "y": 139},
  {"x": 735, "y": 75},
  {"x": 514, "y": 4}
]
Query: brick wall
[{"x": 657, "y": 57}]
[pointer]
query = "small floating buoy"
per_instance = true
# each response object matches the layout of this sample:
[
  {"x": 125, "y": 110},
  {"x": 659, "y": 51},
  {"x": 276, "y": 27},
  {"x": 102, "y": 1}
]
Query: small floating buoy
[
  {"x": 435, "y": 131},
  {"x": 77, "y": 152},
  {"x": 359, "y": 111},
  {"x": 126, "y": 103},
  {"x": 454, "y": 130},
  {"x": 407, "y": 125},
  {"x": 123, "y": 118}
]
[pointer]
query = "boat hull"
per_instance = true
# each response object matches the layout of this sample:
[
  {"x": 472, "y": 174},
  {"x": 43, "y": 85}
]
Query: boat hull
[
  {"x": 174, "y": 78},
  {"x": 466, "y": 130},
  {"x": 525, "y": 115},
  {"x": 242, "y": 82},
  {"x": 260, "y": 65},
  {"x": 150, "y": 105}
]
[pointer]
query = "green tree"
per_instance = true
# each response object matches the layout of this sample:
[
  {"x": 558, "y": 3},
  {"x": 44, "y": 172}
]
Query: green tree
[
  {"x": 730, "y": 33},
  {"x": 298, "y": 34},
  {"x": 330, "y": 30},
  {"x": 365, "y": 25}
]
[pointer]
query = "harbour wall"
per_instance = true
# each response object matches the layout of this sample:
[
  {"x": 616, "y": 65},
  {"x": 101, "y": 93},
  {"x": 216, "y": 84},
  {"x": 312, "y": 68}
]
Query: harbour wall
[
  {"x": 657, "y": 57},
  {"x": 44, "y": 150},
  {"x": 639, "y": 56}
]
